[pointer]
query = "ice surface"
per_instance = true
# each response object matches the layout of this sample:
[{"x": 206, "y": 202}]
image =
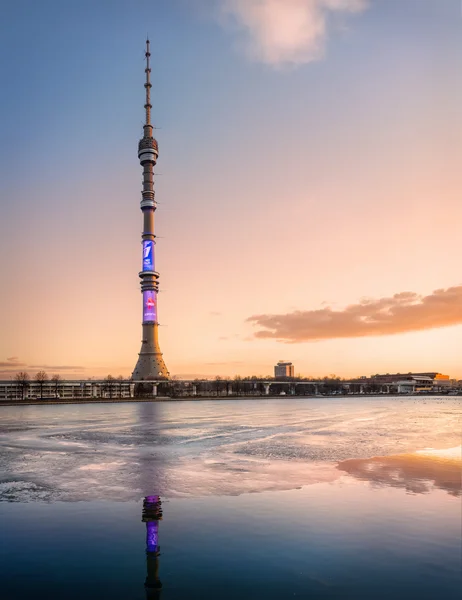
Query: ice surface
[{"x": 195, "y": 448}]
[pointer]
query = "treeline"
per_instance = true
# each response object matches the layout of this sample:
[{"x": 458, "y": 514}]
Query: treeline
[
  {"x": 55, "y": 382},
  {"x": 243, "y": 386},
  {"x": 255, "y": 385},
  {"x": 41, "y": 378}
]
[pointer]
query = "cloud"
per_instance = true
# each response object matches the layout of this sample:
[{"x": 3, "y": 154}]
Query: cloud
[
  {"x": 234, "y": 336},
  {"x": 13, "y": 365},
  {"x": 223, "y": 364},
  {"x": 11, "y": 362},
  {"x": 279, "y": 32},
  {"x": 58, "y": 367},
  {"x": 187, "y": 376},
  {"x": 403, "y": 312}
]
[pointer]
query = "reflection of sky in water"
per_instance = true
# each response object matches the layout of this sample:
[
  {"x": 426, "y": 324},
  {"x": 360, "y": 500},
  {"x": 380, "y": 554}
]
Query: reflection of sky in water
[
  {"x": 450, "y": 453},
  {"x": 83, "y": 452},
  {"x": 336, "y": 541},
  {"x": 419, "y": 472},
  {"x": 356, "y": 499}
]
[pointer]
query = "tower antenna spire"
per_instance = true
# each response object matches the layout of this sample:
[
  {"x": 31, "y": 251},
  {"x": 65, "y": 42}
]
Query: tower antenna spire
[{"x": 148, "y": 84}]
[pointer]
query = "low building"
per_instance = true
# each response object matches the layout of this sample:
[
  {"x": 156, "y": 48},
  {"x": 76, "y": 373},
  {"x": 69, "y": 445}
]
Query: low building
[
  {"x": 410, "y": 382},
  {"x": 438, "y": 379},
  {"x": 415, "y": 383},
  {"x": 63, "y": 389}
]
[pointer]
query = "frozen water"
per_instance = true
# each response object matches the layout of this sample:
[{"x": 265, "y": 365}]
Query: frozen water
[
  {"x": 357, "y": 498},
  {"x": 226, "y": 447}
]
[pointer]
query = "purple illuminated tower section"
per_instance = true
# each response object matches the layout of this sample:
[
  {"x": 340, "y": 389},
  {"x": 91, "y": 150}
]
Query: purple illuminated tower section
[
  {"x": 152, "y": 536},
  {"x": 150, "y": 365},
  {"x": 152, "y": 514}
]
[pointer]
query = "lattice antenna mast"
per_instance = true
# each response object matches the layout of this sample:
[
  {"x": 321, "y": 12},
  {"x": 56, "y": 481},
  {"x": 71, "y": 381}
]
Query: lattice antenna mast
[{"x": 148, "y": 86}]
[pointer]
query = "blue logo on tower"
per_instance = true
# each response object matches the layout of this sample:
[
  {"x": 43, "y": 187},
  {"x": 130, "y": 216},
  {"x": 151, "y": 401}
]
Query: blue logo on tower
[{"x": 148, "y": 255}]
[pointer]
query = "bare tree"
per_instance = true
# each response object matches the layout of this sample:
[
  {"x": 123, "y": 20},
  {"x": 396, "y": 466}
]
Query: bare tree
[
  {"x": 120, "y": 379},
  {"x": 238, "y": 384},
  {"x": 22, "y": 379},
  {"x": 198, "y": 384},
  {"x": 141, "y": 390},
  {"x": 56, "y": 379},
  {"x": 41, "y": 377},
  {"x": 109, "y": 381},
  {"x": 218, "y": 384}
]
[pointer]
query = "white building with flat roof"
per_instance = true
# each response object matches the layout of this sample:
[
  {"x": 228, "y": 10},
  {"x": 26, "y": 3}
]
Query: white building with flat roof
[{"x": 63, "y": 389}]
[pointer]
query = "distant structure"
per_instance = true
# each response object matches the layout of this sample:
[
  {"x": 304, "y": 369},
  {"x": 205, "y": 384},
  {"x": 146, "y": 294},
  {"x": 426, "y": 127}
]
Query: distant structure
[
  {"x": 406, "y": 383},
  {"x": 283, "y": 369},
  {"x": 150, "y": 363},
  {"x": 434, "y": 377}
]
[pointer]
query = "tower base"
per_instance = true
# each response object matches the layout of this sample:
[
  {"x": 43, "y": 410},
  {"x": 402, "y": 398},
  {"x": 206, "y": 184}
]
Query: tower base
[{"x": 150, "y": 365}]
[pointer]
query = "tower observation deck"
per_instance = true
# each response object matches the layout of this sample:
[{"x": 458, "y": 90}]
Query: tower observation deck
[{"x": 150, "y": 365}]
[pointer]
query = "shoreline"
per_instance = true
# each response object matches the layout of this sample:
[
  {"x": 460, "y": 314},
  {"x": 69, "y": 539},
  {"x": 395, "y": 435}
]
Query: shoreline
[{"x": 206, "y": 398}]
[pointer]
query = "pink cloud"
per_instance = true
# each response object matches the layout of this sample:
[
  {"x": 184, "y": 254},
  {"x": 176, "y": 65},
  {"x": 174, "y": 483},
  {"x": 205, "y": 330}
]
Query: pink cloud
[
  {"x": 286, "y": 31},
  {"x": 403, "y": 312}
]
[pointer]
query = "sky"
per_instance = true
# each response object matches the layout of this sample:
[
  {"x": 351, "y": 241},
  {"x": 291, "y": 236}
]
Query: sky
[{"x": 308, "y": 185}]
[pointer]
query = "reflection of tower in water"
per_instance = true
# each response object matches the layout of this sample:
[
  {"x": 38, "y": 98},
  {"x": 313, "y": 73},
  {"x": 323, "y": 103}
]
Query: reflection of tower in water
[{"x": 152, "y": 514}]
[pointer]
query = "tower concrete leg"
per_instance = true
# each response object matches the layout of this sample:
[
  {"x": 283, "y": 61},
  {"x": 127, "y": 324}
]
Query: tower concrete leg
[
  {"x": 267, "y": 388},
  {"x": 154, "y": 389},
  {"x": 194, "y": 390}
]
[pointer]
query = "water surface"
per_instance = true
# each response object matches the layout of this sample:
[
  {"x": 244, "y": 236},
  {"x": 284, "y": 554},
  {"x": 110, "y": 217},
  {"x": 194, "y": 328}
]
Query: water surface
[{"x": 273, "y": 498}]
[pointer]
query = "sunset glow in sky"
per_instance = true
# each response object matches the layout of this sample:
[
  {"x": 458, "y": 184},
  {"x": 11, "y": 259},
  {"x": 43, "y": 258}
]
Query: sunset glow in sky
[{"x": 309, "y": 187}]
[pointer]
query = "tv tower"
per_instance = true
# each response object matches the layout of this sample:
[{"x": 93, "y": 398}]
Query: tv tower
[{"x": 150, "y": 363}]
